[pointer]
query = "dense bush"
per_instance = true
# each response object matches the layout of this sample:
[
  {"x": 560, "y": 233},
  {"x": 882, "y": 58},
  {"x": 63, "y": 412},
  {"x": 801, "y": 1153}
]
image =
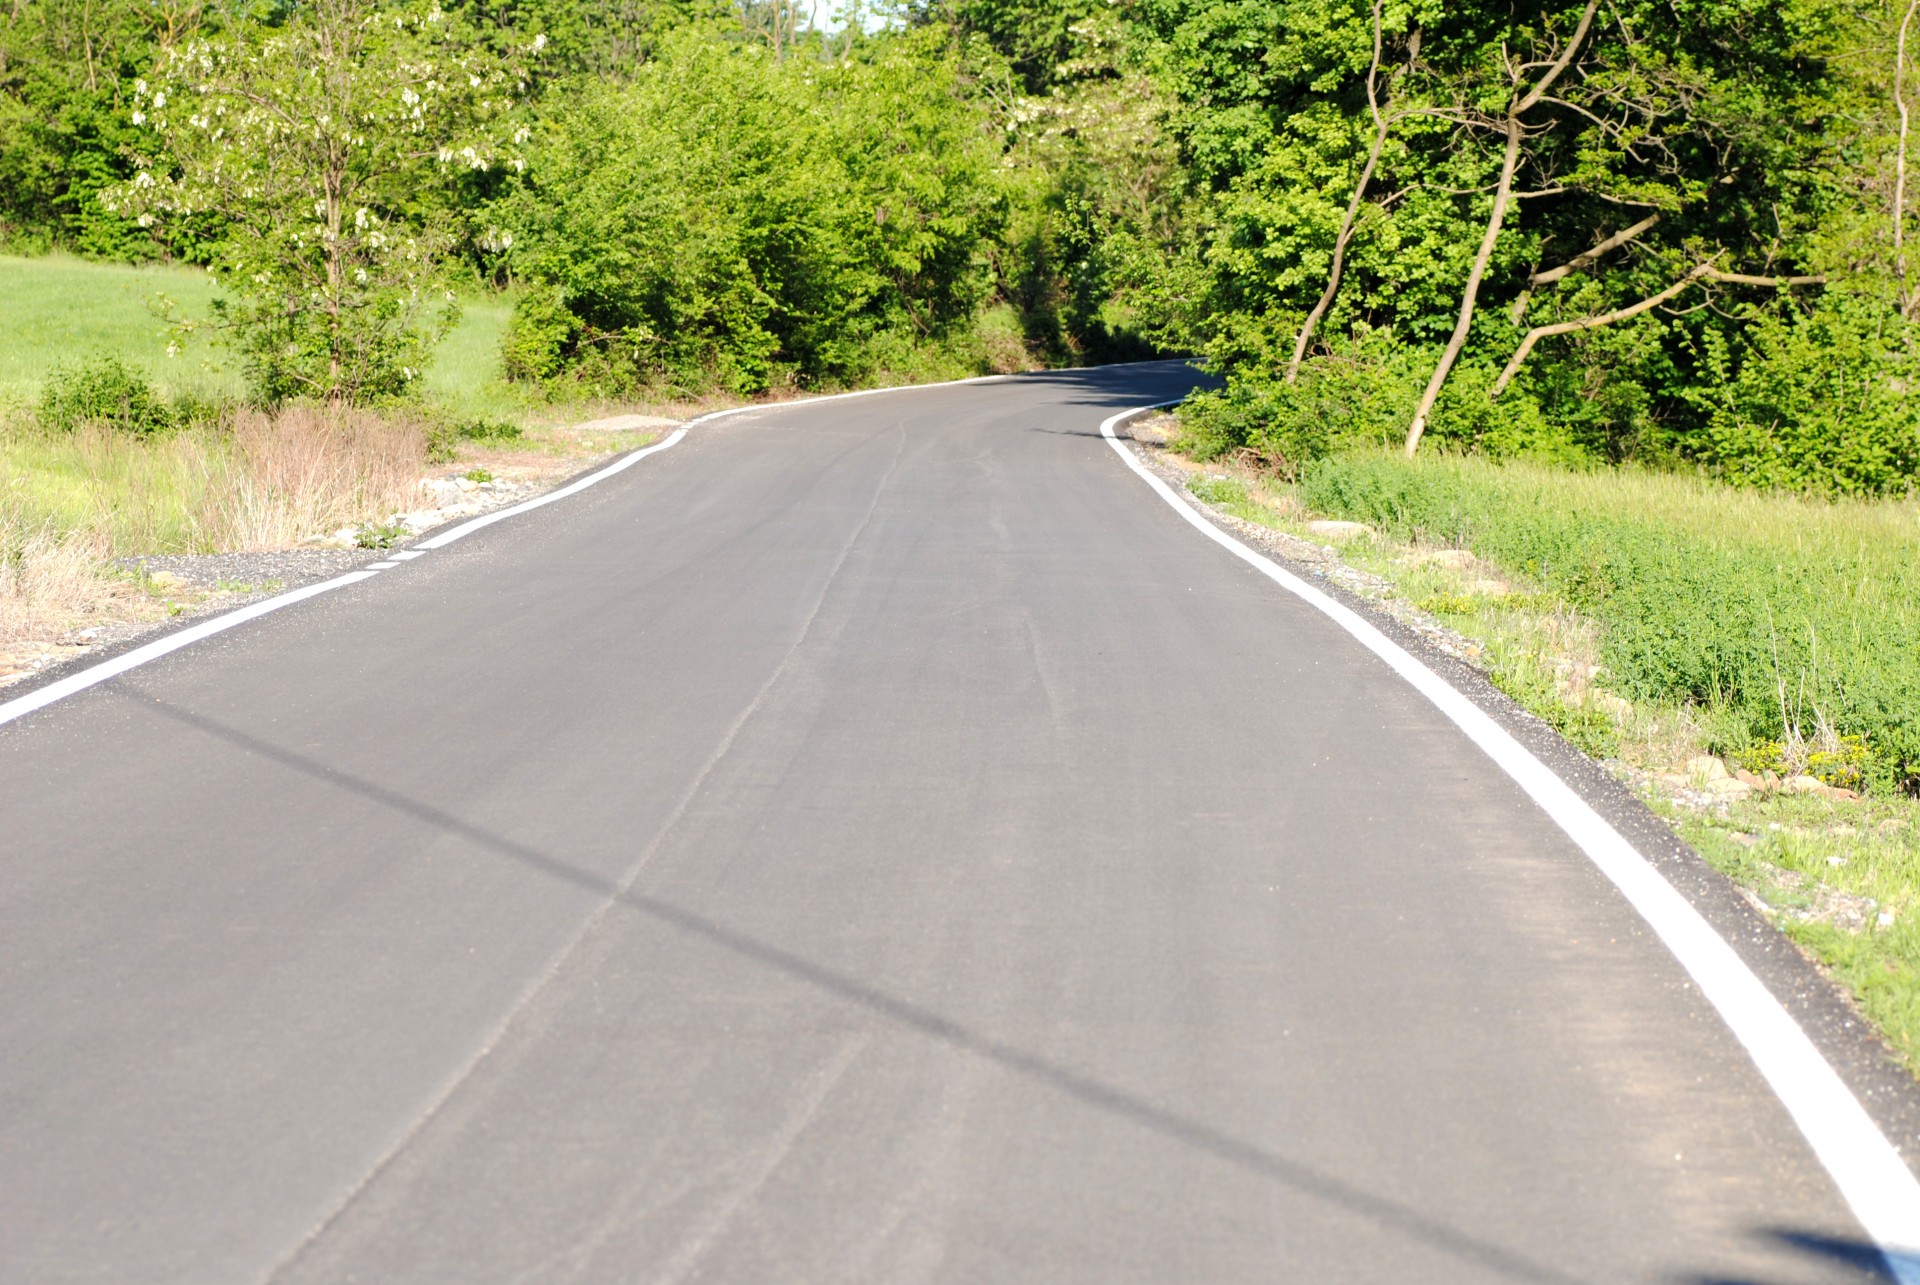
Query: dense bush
[
  {"x": 1782, "y": 619},
  {"x": 1818, "y": 399},
  {"x": 738, "y": 221},
  {"x": 1360, "y": 394},
  {"x": 103, "y": 390}
]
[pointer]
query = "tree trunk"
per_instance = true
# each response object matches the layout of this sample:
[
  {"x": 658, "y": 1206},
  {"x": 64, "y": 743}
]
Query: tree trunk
[
  {"x": 1907, "y": 298},
  {"x": 336, "y": 281},
  {"x": 1380, "y": 124},
  {"x": 1502, "y": 197}
]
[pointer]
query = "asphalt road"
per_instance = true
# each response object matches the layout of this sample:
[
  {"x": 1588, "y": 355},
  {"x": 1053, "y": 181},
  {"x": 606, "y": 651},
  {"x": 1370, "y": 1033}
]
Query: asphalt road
[{"x": 869, "y": 841}]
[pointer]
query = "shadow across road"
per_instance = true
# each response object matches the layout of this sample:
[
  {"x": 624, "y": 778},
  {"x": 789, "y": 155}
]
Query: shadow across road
[{"x": 1487, "y": 1257}]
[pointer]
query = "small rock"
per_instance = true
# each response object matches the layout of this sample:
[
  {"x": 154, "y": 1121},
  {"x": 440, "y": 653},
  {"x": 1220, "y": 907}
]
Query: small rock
[
  {"x": 1741, "y": 774},
  {"x": 1886, "y": 919},
  {"x": 1708, "y": 768},
  {"x": 1616, "y": 706},
  {"x": 1804, "y": 785},
  {"x": 1334, "y": 530}
]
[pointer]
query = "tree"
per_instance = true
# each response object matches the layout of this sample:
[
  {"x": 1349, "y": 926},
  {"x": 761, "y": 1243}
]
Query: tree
[{"x": 318, "y": 143}]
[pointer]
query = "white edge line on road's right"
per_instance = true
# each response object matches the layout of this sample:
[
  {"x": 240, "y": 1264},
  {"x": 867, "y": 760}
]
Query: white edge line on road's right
[
  {"x": 93, "y": 675},
  {"x": 1874, "y": 1181}
]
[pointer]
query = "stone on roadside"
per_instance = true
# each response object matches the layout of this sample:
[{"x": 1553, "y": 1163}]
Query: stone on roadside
[
  {"x": 1743, "y": 775},
  {"x": 1336, "y": 530},
  {"x": 1804, "y": 785},
  {"x": 1726, "y": 787},
  {"x": 1707, "y": 767},
  {"x": 1617, "y": 707}
]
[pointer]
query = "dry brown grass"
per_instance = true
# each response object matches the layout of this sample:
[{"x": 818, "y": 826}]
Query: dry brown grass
[
  {"x": 50, "y": 583},
  {"x": 71, "y": 502},
  {"x": 306, "y": 470}
]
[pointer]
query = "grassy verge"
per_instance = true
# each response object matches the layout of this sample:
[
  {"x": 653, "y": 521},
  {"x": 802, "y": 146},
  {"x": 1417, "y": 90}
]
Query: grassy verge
[
  {"x": 219, "y": 477},
  {"x": 1652, "y": 620}
]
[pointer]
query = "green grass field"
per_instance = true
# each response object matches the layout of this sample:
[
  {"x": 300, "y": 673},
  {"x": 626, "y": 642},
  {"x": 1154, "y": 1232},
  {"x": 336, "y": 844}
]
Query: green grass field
[{"x": 58, "y": 310}]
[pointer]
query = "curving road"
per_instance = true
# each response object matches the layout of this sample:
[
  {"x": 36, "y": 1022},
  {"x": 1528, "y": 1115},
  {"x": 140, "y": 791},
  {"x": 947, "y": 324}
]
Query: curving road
[{"x": 875, "y": 840}]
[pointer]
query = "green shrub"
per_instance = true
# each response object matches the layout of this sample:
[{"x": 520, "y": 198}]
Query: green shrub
[
  {"x": 444, "y": 436},
  {"x": 541, "y": 337},
  {"x": 487, "y": 432},
  {"x": 1359, "y": 392},
  {"x": 733, "y": 220},
  {"x": 1790, "y": 620},
  {"x": 103, "y": 390},
  {"x": 1820, "y": 400}
]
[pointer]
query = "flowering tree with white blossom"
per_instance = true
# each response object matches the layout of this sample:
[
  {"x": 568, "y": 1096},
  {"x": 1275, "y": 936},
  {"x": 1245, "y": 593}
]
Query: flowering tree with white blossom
[{"x": 314, "y": 142}]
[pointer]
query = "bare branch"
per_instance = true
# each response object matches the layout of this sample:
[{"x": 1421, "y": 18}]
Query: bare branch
[
  {"x": 1561, "y": 63},
  {"x": 1744, "y": 279},
  {"x": 1581, "y": 260},
  {"x": 1586, "y": 257},
  {"x": 1503, "y": 197},
  {"x": 1538, "y": 333},
  {"x": 1900, "y": 162}
]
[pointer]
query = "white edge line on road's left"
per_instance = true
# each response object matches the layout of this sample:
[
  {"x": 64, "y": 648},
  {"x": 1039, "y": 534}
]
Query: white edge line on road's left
[
  {"x": 1874, "y": 1181},
  {"x": 41, "y": 697}
]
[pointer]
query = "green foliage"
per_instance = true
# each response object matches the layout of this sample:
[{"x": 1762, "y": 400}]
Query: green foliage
[
  {"x": 1587, "y": 726},
  {"x": 1817, "y": 400},
  {"x": 445, "y": 435},
  {"x": 1715, "y": 118},
  {"x": 1843, "y": 762},
  {"x": 735, "y": 221},
  {"x": 1359, "y": 395},
  {"x": 542, "y": 337},
  {"x": 102, "y": 390},
  {"x": 313, "y": 141},
  {"x": 1791, "y": 620},
  {"x": 67, "y": 68},
  {"x": 1218, "y": 490},
  {"x": 380, "y": 535},
  {"x": 488, "y": 432}
]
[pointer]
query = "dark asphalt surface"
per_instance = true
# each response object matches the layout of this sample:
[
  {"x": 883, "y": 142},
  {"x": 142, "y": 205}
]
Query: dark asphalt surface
[{"x": 873, "y": 841}]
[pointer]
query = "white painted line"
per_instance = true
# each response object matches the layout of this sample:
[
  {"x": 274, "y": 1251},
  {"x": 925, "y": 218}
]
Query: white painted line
[
  {"x": 379, "y": 566},
  {"x": 403, "y": 554},
  {"x": 1874, "y": 1181},
  {"x": 42, "y": 697}
]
